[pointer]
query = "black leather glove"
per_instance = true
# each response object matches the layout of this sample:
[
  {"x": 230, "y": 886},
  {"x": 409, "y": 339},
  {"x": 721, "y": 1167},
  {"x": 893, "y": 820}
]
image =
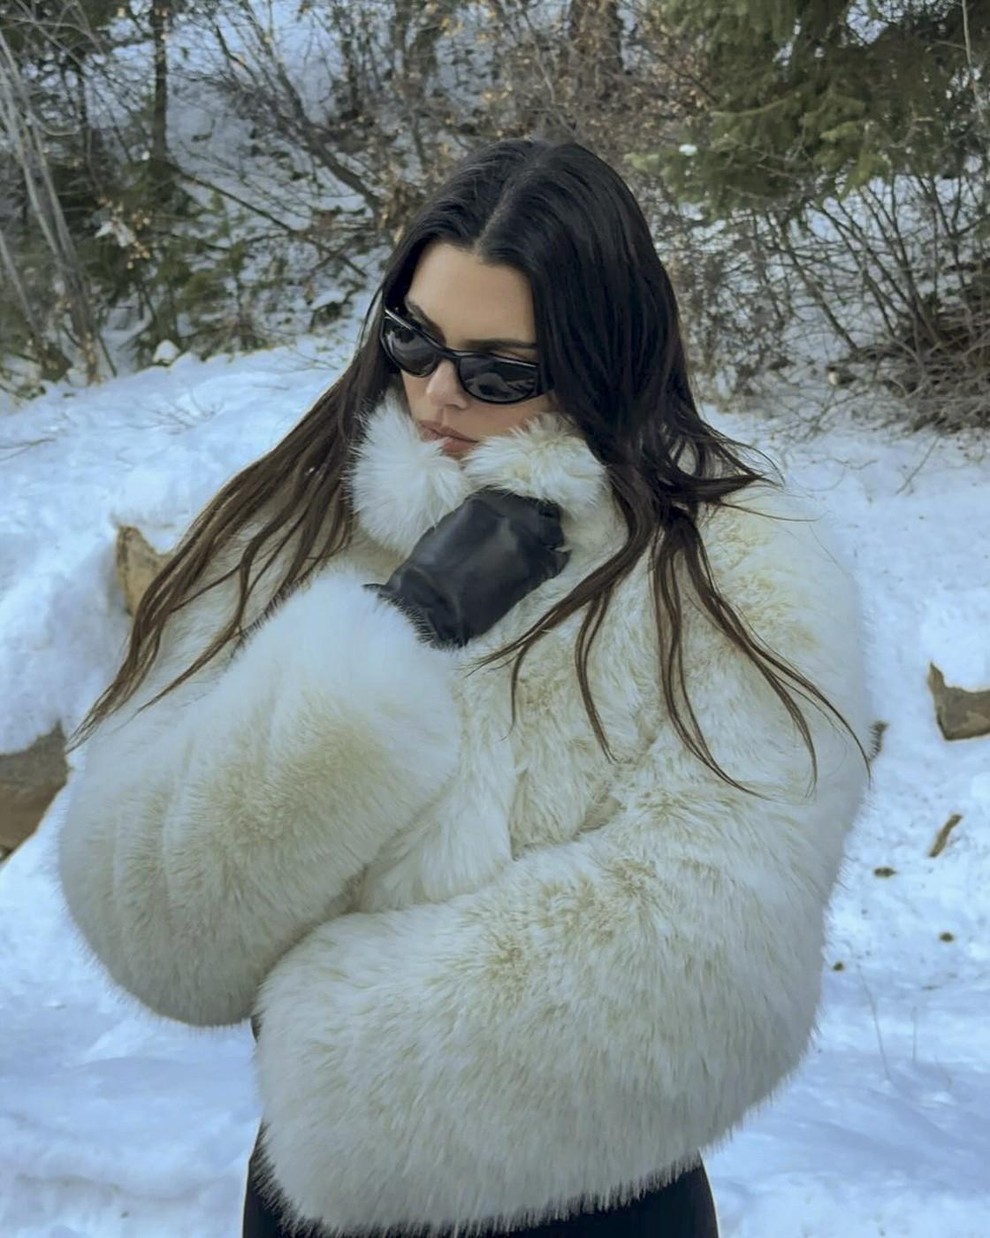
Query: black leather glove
[{"x": 476, "y": 564}]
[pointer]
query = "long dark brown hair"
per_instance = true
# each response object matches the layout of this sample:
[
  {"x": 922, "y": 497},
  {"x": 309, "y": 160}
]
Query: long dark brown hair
[{"x": 609, "y": 342}]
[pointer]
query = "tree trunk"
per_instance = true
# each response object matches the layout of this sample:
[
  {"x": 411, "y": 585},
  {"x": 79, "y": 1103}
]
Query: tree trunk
[
  {"x": 25, "y": 133},
  {"x": 52, "y": 361},
  {"x": 592, "y": 60},
  {"x": 161, "y": 20}
]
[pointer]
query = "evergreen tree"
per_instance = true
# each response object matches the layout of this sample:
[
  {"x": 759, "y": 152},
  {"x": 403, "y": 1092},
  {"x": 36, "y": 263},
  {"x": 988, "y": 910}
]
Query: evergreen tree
[{"x": 809, "y": 99}]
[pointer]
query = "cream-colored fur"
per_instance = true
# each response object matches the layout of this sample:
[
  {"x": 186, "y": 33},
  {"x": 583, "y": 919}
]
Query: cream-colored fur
[
  {"x": 206, "y": 835},
  {"x": 500, "y": 976}
]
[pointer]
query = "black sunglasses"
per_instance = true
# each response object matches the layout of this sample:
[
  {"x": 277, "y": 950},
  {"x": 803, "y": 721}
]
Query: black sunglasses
[{"x": 495, "y": 380}]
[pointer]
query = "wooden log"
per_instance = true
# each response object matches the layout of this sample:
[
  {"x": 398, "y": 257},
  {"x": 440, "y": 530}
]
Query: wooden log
[
  {"x": 138, "y": 563},
  {"x": 960, "y": 714},
  {"x": 29, "y": 781}
]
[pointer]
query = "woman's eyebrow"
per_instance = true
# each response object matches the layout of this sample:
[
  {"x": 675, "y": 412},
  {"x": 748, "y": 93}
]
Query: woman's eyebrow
[{"x": 481, "y": 344}]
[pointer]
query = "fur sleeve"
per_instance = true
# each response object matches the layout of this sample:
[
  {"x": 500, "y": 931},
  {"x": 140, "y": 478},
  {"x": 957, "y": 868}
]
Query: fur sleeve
[
  {"x": 206, "y": 835},
  {"x": 609, "y": 1006}
]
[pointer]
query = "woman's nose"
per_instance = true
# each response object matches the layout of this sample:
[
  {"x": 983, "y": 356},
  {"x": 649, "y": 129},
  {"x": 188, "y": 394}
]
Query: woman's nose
[{"x": 443, "y": 385}]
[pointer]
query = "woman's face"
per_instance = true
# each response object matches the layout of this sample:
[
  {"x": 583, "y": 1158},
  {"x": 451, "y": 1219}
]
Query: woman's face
[{"x": 466, "y": 304}]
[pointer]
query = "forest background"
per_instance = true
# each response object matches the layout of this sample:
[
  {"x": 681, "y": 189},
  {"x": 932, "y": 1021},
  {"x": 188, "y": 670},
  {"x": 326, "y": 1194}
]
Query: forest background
[{"x": 215, "y": 175}]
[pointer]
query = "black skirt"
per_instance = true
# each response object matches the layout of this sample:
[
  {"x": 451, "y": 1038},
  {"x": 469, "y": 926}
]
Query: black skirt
[{"x": 682, "y": 1209}]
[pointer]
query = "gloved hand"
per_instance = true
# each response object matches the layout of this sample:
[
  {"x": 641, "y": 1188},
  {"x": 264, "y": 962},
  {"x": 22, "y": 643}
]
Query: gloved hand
[{"x": 472, "y": 567}]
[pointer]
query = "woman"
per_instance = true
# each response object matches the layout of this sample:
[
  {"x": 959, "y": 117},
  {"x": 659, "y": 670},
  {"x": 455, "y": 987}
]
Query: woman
[{"x": 488, "y": 795}]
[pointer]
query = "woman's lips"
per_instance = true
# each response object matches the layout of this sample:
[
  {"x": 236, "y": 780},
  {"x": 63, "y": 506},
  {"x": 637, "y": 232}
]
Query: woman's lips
[
  {"x": 450, "y": 442},
  {"x": 442, "y": 431}
]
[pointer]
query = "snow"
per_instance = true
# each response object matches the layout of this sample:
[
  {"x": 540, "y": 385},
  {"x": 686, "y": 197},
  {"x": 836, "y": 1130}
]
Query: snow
[{"x": 115, "y": 1123}]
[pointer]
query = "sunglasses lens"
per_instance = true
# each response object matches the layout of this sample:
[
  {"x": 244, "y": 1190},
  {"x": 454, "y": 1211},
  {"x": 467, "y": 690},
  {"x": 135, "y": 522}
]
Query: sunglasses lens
[
  {"x": 495, "y": 380},
  {"x": 409, "y": 350},
  {"x": 498, "y": 381}
]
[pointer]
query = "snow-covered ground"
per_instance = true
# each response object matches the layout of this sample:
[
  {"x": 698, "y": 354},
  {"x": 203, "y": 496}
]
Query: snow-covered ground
[{"x": 114, "y": 1123}]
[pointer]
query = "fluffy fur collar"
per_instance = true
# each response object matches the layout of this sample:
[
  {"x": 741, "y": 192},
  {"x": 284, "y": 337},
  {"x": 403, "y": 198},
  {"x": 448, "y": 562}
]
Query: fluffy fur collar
[{"x": 402, "y": 485}]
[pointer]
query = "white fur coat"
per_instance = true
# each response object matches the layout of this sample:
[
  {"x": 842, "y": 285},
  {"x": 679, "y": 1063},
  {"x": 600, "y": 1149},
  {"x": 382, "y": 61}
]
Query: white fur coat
[{"x": 497, "y": 975}]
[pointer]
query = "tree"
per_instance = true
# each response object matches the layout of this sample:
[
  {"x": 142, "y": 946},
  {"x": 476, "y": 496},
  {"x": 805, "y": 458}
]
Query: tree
[
  {"x": 848, "y": 145},
  {"x": 809, "y": 99},
  {"x": 24, "y": 135}
]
